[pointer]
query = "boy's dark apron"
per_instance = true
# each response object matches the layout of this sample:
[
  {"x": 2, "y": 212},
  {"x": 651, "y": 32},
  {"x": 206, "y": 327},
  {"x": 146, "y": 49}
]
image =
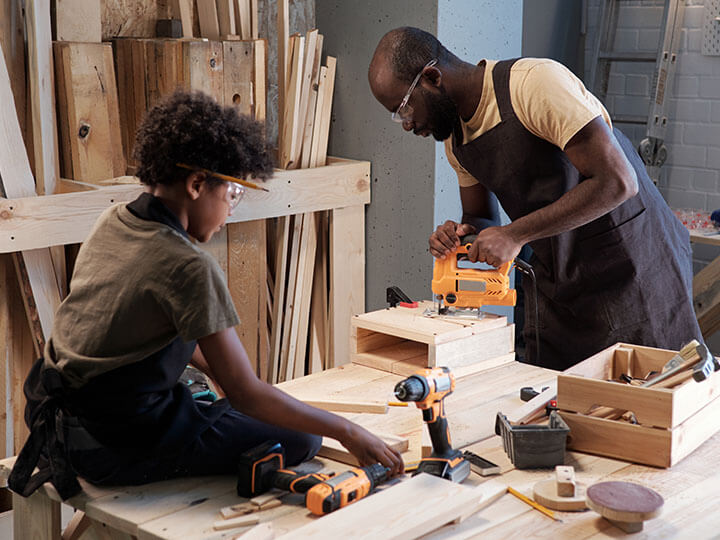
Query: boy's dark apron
[
  {"x": 626, "y": 276},
  {"x": 157, "y": 417}
]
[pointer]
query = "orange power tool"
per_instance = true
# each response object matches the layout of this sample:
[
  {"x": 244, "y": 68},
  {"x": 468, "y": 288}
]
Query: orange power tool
[
  {"x": 428, "y": 388},
  {"x": 471, "y": 287},
  {"x": 345, "y": 488}
]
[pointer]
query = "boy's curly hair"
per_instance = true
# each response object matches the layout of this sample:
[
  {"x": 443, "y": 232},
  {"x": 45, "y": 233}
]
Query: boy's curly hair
[{"x": 192, "y": 128}]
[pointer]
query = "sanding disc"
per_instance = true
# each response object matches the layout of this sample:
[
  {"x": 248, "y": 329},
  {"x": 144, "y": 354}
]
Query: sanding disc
[
  {"x": 545, "y": 493},
  {"x": 624, "y": 501}
]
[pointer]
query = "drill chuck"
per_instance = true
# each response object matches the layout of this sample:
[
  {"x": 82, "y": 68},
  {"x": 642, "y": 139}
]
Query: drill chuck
[{"x": 412, "y": 389}]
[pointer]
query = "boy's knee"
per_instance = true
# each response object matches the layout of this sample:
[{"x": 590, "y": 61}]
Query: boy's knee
[{"x": 302, "y": 448}]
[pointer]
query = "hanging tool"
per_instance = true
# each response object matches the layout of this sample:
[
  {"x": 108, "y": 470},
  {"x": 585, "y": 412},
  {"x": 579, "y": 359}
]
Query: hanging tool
[
  {"x": 652, "y": 149},
  {"x": 428, "y": 388},
  {"x": 345, "y": 488}
]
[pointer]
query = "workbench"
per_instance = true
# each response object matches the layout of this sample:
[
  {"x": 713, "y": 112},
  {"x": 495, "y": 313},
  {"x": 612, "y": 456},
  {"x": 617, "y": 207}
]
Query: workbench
[{"x": 187, "y": 508}]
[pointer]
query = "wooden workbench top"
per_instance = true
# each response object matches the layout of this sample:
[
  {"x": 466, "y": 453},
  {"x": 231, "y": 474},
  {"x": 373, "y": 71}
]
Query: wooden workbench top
[{"x": 189, "y": 508}]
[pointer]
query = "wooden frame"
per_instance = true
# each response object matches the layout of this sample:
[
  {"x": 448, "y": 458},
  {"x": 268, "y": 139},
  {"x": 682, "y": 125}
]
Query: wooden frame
[
  {"x": 37, "y": 222},
  {"x": 401, "y": 340},
  {"x": 671, "y": 422}
]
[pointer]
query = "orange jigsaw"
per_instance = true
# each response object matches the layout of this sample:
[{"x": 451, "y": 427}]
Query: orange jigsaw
[{"x": 450, "y": 283}]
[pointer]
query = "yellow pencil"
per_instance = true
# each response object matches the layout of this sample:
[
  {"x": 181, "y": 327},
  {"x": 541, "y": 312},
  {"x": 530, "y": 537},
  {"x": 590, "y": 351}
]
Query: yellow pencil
[
  {"x": 225, "y": 177},
  {"x": 397, "y": 404},
  {"x": 536, "y": 506}
]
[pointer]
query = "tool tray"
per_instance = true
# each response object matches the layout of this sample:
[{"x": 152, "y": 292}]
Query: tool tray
[
  {"x": 671, "y": 422},
  {"x": 534, "y": 446}
]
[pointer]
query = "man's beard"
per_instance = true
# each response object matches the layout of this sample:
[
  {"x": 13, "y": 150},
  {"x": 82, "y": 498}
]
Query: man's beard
[{"x": 442, "y": 114}]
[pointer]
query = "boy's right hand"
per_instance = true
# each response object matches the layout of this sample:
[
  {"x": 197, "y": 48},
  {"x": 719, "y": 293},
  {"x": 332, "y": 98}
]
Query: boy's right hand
[{"x": 370, "y": 449}]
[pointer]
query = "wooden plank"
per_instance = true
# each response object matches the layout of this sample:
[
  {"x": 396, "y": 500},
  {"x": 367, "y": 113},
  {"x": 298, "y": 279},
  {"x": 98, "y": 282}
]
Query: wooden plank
[
  {"x": 318, "y": 308},
  {"x": 307, "y": 260},
  {"x": 226, "y": 17},
  {"x": 91, "y": 111},
  {"x": 279, "y": 294},
  {"x": 183, "y": 10},
  {"x": 244, "y": 20},
  {"x": 535, "y": 405},
  {"x": 706, "y": 297},
  {"x": 35, "y": 517},
  {"x": 419, "y": 505},
  {"x": 473, "y": 349},
  {"x": 248, "y": 267},
  {"x": 347, "y": 277},
  {"x": 291, "y": 113},
  {"x": 370, "y": 407},
  {"x": 122, "y": 53},
  {"x": 77, "y": 20},
  {"x": 284, "y": 54},
  {"x": 127, "y": 509},
  {"x": 208, "y": 17},
  {"x": 164, "y": 71},
  {"x": 415, "y": 327},
  {"x": 306, "y": 82},
  {"x": 694, "y": 431},
  {"x": 238, "y": 77},
  {"x": 7, "y": 280},
  {"x": 296, "y": 367},
  {"x": 30, "y": 223},
  {"x": 203, "y": 67},
  {"x": 322, "y": 130},
  {"x": 286, "y": 361},
  {"x": 312, "y": 104},
  {"x": 12, "y": 43},
  {"x": 42, "y": 95},
  {"x": 254, "y": 20},
  {"x": 332, "y": 449},
  {"x": 260, "y": 79}
]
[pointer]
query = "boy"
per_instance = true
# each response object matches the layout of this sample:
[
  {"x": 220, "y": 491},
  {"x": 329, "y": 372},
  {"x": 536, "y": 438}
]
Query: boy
[{"x": 105, "y": 403}]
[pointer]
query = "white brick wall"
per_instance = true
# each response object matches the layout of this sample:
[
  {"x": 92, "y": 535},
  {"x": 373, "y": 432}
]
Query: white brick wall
[{"x": 691, "y": 176}]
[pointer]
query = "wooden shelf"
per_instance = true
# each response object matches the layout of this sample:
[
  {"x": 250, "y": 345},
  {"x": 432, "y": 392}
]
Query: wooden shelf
[{"x": 67, "y": 218}]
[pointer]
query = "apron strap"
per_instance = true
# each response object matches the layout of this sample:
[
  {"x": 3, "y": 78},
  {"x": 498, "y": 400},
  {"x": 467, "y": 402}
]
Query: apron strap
[
  {"x": 44, "y": 449},
  {"x": 501, "y": 82}
]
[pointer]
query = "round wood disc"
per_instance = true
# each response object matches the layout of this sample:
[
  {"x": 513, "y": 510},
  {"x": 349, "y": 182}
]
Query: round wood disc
[
  {"x": 545, "y": 493},
  {"x": 624, "y": 501}
]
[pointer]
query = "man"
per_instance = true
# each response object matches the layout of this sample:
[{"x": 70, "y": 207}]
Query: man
[{"x": 612, "y": 262}]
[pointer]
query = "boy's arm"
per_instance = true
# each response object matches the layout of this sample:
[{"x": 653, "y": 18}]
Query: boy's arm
[
  {"x": 198, "y": 361},
  {"x": 228, "y": 361}
]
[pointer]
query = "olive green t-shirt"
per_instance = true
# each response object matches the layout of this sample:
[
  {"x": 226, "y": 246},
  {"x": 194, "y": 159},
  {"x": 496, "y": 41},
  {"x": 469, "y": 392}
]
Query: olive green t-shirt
[{"x": 138, "y": 284}]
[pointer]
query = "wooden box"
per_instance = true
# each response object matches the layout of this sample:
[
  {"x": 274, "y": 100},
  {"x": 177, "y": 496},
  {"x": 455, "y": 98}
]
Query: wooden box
[
  {"x": 402, "y": 340},
  {"x": 671, "y": 422}
]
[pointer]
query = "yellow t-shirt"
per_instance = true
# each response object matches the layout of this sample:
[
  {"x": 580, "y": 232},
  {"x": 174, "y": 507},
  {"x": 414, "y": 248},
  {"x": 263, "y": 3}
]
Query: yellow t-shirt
[{"x": 548, "y": 99}]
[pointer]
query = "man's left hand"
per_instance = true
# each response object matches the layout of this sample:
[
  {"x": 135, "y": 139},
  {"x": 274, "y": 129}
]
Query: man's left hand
[{"x": 495, "y": 246}]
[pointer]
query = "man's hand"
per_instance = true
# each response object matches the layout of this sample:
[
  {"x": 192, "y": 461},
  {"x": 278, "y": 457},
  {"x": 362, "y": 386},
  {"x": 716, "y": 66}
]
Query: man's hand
[
  {"x": 495, "y": 246},
  {"x": 369, "y": 449},
  {"x": 446, "y": 238}
]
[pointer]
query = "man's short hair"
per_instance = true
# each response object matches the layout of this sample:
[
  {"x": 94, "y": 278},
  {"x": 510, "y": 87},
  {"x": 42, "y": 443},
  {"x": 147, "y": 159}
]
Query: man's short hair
[
  {"x": 192, "y": 128},
  {"x": 411, "y": 48}
]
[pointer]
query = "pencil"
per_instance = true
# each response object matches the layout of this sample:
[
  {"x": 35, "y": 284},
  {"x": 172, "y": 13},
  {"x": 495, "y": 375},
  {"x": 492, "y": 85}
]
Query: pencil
[
  {"x": 536, "y": 506},
  {"x": 221, "y": 176}
]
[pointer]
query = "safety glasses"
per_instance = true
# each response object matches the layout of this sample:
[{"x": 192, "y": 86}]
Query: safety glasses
[{"x": 405, "y": 111}]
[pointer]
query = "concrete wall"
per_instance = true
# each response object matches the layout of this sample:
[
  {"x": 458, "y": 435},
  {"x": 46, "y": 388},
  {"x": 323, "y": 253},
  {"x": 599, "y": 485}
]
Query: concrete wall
[
  {"x": 552, "y": 29},
  {"x": 411, "y": 186}
]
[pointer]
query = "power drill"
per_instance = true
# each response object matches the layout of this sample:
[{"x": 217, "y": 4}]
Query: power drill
[
  {"x": 428, "y": 388},
  {"x": 344, "y": 489},
  {"x": 261, "y": 468}
]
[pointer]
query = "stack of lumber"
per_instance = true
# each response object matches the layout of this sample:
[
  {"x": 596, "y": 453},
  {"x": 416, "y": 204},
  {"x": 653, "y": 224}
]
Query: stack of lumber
[
  {"x": 300, "y": 339},
  {"x": 223, "y": 19}
]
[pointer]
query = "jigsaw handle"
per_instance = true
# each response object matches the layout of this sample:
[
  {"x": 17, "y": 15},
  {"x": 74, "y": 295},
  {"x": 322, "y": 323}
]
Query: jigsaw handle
[{"x": 467, "y": 241}]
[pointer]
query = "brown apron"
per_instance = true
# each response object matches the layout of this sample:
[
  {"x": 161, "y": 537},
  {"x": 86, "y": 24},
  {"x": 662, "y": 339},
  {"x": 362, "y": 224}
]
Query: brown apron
[{"x": 626, "y": 276}]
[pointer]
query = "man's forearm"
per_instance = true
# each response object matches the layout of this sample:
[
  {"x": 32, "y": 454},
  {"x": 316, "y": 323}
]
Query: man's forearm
[{"x": 587, "y": 201}]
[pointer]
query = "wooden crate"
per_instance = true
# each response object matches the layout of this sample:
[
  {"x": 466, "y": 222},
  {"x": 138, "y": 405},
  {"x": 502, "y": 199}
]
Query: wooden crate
[
  {"x": 401, "y": 340},
  {"x": 671, "y": 422}
]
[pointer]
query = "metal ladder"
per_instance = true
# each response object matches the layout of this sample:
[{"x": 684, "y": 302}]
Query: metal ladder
[{"x": 652, "y": 149}]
